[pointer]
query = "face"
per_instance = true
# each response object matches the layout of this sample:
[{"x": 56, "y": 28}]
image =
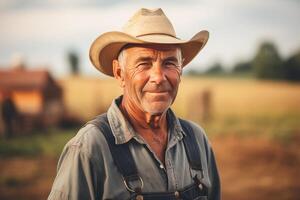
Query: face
[{"x": 150, "y": 77}]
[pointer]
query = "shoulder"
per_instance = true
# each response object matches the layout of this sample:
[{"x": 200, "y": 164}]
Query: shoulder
[
  {"x": 196, "y": 129},
  {"x": 200, "y": 135},
  {"x": 89, "y": 141},
  {"x": 81, "y": 166}
]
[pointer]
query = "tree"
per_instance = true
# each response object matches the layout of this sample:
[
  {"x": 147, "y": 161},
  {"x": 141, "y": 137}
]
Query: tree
[
  {"x": 245, "y": 66},
  {"x": 193, "y": 72},
  {"x": 267, "y": 63},
  {"x": 73, "y": 59},
  {"x": 216, "y": 68},
  {"x": 292, "y": 67}
]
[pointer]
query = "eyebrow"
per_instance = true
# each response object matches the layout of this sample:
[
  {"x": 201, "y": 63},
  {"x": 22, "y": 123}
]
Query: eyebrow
[
  {"x": 148, "y": 58},
  {"x": 143, "y": 59},
  {"x": 171, "y": 58}
]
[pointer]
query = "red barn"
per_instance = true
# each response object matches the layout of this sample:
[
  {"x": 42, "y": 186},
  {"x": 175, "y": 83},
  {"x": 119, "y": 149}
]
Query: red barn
[{"x": 36, "y": 95}]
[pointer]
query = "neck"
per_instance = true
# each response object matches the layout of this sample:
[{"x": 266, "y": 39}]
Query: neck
[{"x": 140, "y": 119}]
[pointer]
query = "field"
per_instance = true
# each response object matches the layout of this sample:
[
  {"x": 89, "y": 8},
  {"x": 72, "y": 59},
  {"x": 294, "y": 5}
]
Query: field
[
  {"x": 253, "y": 127},
  {"x": 236, "y": 106}
]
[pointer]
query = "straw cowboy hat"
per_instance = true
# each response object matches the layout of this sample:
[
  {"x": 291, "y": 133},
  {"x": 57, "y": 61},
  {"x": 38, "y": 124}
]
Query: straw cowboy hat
[{"x": 145, "y": 27}]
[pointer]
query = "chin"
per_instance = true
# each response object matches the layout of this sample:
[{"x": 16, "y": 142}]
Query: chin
[{"x": 157, "y": 108}]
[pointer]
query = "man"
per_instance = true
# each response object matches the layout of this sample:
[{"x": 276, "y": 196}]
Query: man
[
  {"x": 139, "y": 149},
  {"x": 9, "y": 114}
]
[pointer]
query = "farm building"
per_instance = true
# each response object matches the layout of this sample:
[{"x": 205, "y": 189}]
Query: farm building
[{"x": 36, "y": 96}]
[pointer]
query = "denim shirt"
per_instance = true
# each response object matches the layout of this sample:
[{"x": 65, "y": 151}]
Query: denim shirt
[{"x": 86, "y": 169}]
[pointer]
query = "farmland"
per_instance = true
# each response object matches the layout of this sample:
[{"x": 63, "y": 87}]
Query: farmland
[
  {"x": 253, "y": 127},
  {"x": 241, "y": 106}
]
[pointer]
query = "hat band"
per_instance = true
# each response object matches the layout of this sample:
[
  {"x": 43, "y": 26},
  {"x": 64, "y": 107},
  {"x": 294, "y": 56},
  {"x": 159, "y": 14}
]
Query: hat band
[{"x": 156, "y": 34}]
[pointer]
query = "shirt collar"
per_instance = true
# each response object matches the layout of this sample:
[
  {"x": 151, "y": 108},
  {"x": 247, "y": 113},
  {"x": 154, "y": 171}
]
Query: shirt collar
[{"x": 123, "y": 131}]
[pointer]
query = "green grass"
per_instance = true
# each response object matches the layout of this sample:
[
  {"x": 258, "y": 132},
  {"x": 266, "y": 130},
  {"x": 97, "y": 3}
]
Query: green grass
[
  {"x": 280, "y": 128},
  {"x": 48, "y": 144},
  {"x": 51, "y": 143}
]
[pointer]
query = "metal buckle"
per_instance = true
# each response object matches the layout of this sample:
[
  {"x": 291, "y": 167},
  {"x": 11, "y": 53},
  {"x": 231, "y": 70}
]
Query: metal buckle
[
  {"x": 139, "y": 197},
  {"x": 198, "y": 182},
  {"x": 200, "y": 186},
  {"x": 132, "y": 190},
  {"x": 177, "y": 195}
]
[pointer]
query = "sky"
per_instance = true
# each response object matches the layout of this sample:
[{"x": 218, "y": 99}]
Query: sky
[{"x": 43, "y": 32}]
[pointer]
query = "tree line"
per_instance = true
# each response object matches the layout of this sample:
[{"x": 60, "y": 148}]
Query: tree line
[{"x": 266, "y": 64}]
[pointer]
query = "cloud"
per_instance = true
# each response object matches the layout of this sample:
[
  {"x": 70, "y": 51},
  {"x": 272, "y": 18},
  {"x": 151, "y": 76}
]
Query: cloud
[
  {"x": 46, "y": 29},
  {"x": 8, "y": 5}
]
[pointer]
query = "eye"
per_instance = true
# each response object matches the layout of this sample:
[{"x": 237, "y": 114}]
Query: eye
[
  {"x": 172, "y": 64},
  {"x": 144, "y": 65}
]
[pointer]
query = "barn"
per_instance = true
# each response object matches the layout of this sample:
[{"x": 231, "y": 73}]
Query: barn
[{"x": 38, "y": 98}]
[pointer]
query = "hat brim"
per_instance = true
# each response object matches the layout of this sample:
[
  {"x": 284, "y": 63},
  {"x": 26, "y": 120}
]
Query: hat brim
[{"x": 108, "y": 45}]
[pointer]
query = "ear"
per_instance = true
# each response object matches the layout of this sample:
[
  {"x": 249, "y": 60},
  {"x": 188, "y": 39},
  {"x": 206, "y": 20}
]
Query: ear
[{"x": 118, "y": 72}]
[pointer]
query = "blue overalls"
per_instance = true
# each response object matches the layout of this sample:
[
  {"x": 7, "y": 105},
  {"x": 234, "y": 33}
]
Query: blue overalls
[{"x": 126, "y": 166}]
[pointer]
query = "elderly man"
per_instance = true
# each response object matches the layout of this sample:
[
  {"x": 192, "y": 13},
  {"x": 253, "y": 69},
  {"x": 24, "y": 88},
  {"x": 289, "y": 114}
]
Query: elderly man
[{"x": 139, "y": 149}]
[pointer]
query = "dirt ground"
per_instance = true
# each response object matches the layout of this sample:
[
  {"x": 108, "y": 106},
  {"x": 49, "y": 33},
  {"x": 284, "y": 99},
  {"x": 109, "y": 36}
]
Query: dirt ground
[
  {"x": 256, "y": 168},
  {"x": 250, "y": 168}
]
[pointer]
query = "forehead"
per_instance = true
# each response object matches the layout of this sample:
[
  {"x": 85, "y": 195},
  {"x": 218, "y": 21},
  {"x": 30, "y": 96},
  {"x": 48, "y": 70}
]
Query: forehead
[{"x": 152, "y": 49}]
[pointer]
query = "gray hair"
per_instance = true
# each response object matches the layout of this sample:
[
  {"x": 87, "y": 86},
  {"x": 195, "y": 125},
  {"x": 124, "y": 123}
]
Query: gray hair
[{"x": 121, "y": 58}]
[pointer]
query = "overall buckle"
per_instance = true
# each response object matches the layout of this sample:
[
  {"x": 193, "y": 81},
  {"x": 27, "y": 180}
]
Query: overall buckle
[{"x": 137, "y": 190}]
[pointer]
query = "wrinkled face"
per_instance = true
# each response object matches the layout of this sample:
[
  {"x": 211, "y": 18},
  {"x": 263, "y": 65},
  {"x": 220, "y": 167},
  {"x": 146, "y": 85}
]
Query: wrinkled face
[{"x": 150, "y": 76}]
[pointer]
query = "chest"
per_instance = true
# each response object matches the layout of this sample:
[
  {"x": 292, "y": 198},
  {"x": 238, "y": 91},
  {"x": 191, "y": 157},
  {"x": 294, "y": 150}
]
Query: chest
[
  {"x": 176, "y": 174},
  {"x": 157, "y": 143}
]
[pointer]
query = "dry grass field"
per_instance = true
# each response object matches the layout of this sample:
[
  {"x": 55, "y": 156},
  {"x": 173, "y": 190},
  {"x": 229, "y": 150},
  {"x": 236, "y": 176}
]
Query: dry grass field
[
  {"x": 254, "y": 128},
  {"x": 243, "y": 97},
  {"x": 241, "y": 106}
]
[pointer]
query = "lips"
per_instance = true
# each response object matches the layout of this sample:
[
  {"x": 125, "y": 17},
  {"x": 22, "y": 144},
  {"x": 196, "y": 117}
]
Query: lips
[{"x": 157, "y": 92}]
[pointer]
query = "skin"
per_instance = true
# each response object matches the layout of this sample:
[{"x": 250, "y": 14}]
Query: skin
[{"x": 150, "y": 77}]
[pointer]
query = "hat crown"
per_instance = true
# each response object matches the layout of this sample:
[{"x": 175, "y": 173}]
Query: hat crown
[{"x": 149, "y": 22}]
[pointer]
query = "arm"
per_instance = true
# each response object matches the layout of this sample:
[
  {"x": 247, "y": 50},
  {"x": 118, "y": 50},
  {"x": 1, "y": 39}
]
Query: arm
[
  {"x": 215, "y": 192},
  {"x": 78, "y": 175}
]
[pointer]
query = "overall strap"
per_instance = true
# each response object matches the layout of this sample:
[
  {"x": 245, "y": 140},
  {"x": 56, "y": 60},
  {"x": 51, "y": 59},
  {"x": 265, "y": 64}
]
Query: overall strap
[
  {"x": 120, "y": 153},
  {"x": 191, "y": 146},
  {"x": 124, "y": 161}
]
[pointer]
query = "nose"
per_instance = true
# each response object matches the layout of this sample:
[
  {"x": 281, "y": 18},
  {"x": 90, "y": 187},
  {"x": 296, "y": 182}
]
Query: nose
[{"x": 157, "y": 74}]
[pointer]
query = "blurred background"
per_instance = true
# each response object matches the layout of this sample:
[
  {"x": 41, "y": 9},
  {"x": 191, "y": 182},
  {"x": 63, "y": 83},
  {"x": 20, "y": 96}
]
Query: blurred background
[{"x": 243, "y": 88}]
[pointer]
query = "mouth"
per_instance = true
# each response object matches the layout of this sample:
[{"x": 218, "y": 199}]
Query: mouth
[{"x": 158, "y": 92}]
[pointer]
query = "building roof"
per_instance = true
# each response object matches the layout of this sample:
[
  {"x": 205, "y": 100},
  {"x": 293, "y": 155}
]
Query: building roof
[{"x": 24, "y": 79}]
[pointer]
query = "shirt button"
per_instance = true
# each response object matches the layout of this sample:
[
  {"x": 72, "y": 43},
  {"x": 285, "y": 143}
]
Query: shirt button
[
  {"x": 200, "y": 186},
  {"x": 177, "y": 195}
]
